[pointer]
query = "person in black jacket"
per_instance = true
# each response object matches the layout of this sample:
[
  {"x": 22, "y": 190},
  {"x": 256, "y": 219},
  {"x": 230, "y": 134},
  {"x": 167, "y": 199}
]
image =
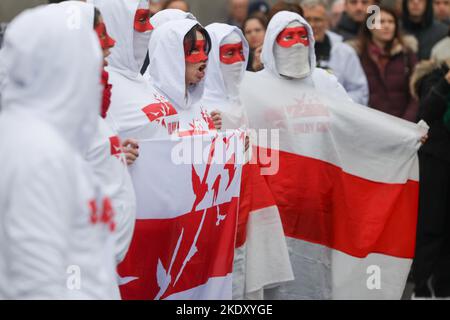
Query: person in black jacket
[
  {"x": 431, "y": 268},
  {"x": 355, "y": 14},
  {"x": 418, "y": 20}
]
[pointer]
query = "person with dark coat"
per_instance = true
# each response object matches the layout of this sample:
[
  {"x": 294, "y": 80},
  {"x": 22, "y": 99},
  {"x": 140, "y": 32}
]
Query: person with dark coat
[
  {"x": 353, "y": 17},
  {"x": 418, "y": 20},
  {"x": 431, "y": 267},
  {"x": 388, "y": 60}
]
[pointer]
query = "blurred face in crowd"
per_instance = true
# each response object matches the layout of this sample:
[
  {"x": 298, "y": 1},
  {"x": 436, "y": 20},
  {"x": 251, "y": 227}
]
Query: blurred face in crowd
[
  {"x": 336, "y": 12},
  {"x": 181, "y": 5},
  {"x": 238, "y": 9},
  {"x": 155, "y": 6},
  {"x": 387, "y": 31},
  {"x": 357, "y": 9},
  {"x": 254, "y": 33},
  {"x": 417, "y": 9},
  {"x": 317, "y": 18},
  {"x": 196, "y": 60},
  {"x": 441, "y": 9}
]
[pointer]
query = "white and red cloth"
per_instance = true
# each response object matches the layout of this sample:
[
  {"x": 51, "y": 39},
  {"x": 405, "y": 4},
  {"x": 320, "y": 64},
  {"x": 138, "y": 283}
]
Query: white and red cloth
[
  {"x": 346, "y": 188},
  {"x": 186, "y": 219}
]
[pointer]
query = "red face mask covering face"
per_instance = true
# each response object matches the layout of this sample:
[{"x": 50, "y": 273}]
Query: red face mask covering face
[
  {"x": 232, "y": 53},
  {"x": 291, "y": 36},
  {"x": 106, "y": 42},
  {"x": 197, "y": 54},
  {"x": 142, "y": 21}
]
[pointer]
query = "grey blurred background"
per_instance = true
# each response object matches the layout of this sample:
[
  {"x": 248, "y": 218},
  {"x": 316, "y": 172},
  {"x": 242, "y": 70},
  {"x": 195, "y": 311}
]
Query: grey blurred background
[{"x": 206, "y": 11}]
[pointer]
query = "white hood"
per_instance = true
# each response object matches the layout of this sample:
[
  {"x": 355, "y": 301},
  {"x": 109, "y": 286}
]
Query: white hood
[
  {"x": 214, "y": 83},
  {"x": 279, "y": 22},
  {"x": 167, "y": 15},
  {"x": 167, "y": 63},
  {"x": 61, "y": 84},
  {"x": 119, "y": 19},
  {"x": 164, "y": 16}
]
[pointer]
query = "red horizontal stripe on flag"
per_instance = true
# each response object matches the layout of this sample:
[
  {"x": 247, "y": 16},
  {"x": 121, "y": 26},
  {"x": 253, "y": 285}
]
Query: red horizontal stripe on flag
[
  {"x": 156, "y": 239},
  {"x": 320, "y": 203},
  {"x": 255, "y": 195}
]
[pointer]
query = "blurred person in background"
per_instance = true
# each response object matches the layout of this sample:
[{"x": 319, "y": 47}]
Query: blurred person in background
[
  {"x": 442, "y": 10},
  {"x": 258, "y": 8},
  {"x": 155, "y": 6},
  {"x": 353, "y": 17},
  {"x": 237, "y": 12},
  {"x": 334, "y": 55},
  {"x": 431, "y": 84},
  {"x": 285, "y": 6},
  {"x": 441, "y": 49},
  {"x": 337, "y": 9},
  {"x": 418, "y": 20},
  {"x": 254, "y": 29},
  {"x": 388, "y": 59},
  {"x": 177, "y": 4}
]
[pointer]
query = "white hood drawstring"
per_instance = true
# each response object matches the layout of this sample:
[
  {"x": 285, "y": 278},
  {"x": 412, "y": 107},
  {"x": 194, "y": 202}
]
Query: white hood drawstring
[
  {"x": 279, "y": 22},
  {"x": 167, "y": 61}
]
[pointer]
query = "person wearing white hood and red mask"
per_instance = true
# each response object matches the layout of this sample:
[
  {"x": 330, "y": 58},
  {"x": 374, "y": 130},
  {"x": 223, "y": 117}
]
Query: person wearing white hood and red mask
[
  {"x": 178, "y": 61},
  {"x": 288, "y": 53},
  {"x": 105, "y": 153},
  {"x": 136, "y": 111},
  {"x": 260, "y": 260},
  {"x": 161, "y": 18},
  {"x": 57, "y": 231},
  {"x": 226, "y": 69}
]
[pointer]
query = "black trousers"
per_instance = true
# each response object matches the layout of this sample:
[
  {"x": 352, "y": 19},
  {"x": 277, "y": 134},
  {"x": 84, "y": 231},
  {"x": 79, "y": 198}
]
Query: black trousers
[{"x": 433, "y": 229}]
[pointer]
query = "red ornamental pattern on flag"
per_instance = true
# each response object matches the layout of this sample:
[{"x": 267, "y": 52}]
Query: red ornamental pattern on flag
[
  {"x": 162, "y": 113},
  {"x": 185, "y": 231}
]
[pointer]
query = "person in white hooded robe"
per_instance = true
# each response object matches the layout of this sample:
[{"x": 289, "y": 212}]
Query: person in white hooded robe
[
  {"x": 160, "y": 18},
  {"x": 136, "y": 110},
  {"x": 57, "y": 230},
  {"x": 105, "y": 153},
  {"x": 226, "y": 69},
  {"x": 178, "y": 61}
]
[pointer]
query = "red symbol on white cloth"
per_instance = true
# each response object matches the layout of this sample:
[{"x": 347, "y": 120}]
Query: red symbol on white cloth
[{"x": 158, "y": 112}]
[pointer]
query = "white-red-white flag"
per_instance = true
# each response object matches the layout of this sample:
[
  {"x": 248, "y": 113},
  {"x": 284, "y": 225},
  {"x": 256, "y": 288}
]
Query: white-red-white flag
[
  {"x": 187, "y": 201},
  {"x": 346, "y": 185}
]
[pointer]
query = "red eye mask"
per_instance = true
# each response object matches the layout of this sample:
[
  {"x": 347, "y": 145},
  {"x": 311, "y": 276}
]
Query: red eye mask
[
  {"x": 106, "y": 41},
  {"x": 232, "y": 53},
  {"x": 197, "y": 56},
  {"x": 142, "y": 21},
  {"x": 291, "y": 36}
]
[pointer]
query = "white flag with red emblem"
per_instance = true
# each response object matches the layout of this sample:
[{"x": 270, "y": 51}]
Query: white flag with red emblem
[
  {"x": 345, "y": 181},
  {"x": 187, "y": 201}
]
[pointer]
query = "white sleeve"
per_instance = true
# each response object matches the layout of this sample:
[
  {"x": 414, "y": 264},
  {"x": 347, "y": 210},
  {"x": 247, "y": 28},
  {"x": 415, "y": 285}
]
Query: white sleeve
[
  {"x": 328, "y": 84},
  {"x": 37, "y": 230}
]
